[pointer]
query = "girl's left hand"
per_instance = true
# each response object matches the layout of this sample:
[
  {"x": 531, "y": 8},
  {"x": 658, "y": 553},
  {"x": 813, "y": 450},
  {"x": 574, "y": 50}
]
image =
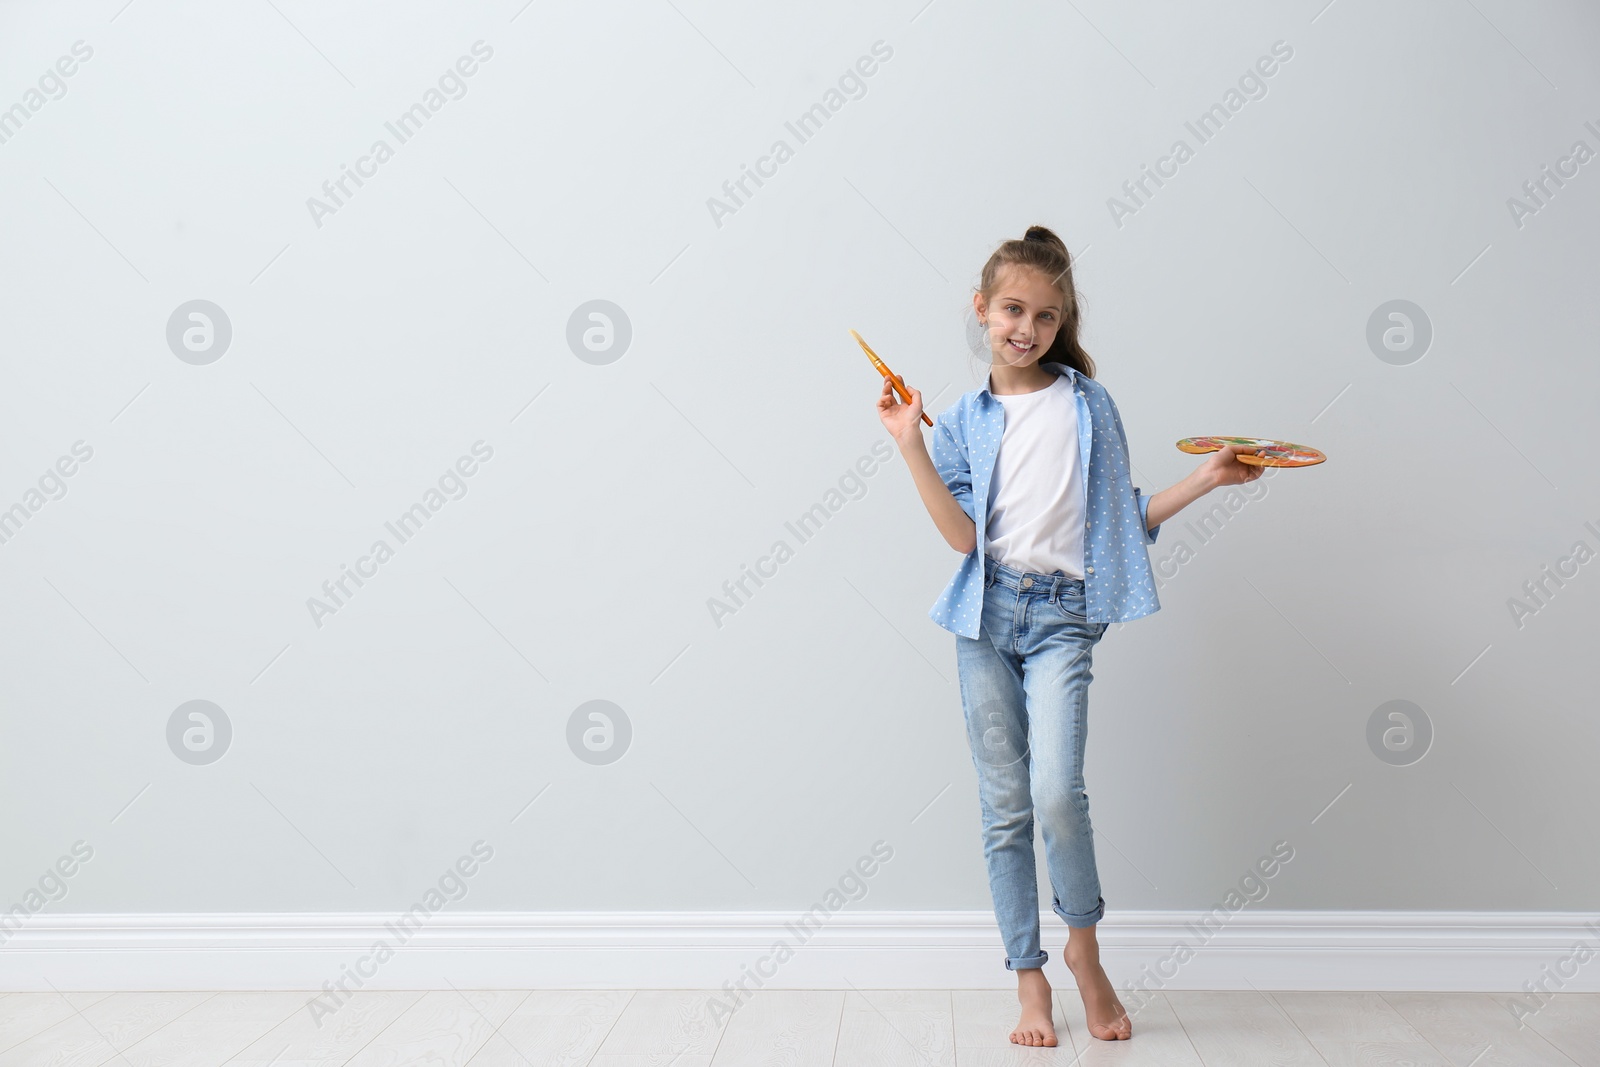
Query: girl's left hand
[{"x": 1223, "y": 469}]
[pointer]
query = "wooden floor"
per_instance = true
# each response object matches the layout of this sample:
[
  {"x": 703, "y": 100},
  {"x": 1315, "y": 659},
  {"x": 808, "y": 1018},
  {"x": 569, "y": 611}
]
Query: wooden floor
[{"x": 782, "y": 1028}]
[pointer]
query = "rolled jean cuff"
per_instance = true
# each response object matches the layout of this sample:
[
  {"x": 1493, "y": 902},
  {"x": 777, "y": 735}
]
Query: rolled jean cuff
[
  {"x": 1080, "y": 921},
  {"x": 1023, "y": 963}
]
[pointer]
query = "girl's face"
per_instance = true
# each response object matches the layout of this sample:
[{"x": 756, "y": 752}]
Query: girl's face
[{"x": 1022, "y": 318}]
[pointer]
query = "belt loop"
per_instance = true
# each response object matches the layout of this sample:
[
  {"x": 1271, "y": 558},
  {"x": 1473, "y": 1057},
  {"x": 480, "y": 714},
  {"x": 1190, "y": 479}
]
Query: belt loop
[{"x": 1054, "y": 586}]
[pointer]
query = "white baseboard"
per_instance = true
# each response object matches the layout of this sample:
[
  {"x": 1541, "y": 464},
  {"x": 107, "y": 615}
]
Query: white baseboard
[{"x": 1314, "y": 950}]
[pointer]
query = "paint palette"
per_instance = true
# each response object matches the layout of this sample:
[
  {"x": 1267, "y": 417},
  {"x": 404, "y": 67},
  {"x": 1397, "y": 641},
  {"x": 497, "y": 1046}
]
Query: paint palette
[{"x": 1274, "y": 453}]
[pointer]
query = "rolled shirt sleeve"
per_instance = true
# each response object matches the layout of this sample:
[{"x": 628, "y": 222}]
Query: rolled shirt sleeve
[
  {"x": 1144, "y": 517},
  {"x": 950, "y": 460}
]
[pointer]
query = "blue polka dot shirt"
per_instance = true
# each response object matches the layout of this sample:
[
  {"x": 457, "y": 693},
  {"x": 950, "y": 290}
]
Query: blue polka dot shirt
[{"x": 1118, "y": 583}]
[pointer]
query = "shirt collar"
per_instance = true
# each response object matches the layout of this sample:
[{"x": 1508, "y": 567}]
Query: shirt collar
[{"x": 1054, "y": 368}]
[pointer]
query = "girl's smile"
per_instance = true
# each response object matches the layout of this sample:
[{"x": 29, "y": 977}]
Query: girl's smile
[{"x": 1022, "y": 321}]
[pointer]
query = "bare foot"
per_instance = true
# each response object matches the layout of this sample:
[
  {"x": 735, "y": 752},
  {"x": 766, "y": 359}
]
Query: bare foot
[
  {"x": 1036, "y": 1027},
  {"x": 1102, "y": 1010}
]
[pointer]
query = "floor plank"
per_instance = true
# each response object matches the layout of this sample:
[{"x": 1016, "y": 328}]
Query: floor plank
[
  {"x": 22, "y": 1015},
  {"x": 211, "y": 1032},
  {"x": 982, "y": 1021},
  {"x": 1358, "y": 1030},
  {"x": 896, "y": 1028},
  {"x": 1159, "y": 1039},
  {"x": 788, "y": 1027},
  {"x": 304, "y": 1039},
  {"x": 89, "y": 1036},
  {"x": 444, "y": 1027},
  {"x": 554, "y": 1028},
  {"x": 666, "y": 1021},
  {"x": 1228, "y": 1027},
  {"x": 1570, "y": 1022},
  {"x": 897, "y": 1000},
  {"x": 1475, "y": 1028}
]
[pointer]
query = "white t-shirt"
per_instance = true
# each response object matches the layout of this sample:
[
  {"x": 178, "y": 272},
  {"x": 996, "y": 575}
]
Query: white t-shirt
[{"x": 1036, "y": 498}]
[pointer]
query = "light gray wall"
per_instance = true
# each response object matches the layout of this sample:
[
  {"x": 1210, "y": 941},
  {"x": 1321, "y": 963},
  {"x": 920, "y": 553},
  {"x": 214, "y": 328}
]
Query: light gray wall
[{"x": 372, "y": 347}]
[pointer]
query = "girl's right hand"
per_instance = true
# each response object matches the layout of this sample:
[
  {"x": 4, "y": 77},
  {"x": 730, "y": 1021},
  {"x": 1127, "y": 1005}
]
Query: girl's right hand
[{"x": 900, "y": 419}]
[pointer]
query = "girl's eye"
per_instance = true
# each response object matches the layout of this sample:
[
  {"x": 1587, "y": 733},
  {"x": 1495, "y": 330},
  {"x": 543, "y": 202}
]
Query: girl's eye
[{"x": 1015, "y": 308}]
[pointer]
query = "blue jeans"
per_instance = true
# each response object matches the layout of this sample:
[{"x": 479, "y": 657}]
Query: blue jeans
[{"x": 1024, "y": 689}]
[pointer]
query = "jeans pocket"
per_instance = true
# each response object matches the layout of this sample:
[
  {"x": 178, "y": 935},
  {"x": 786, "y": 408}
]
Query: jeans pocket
[{"x": 1072, "y": 608}]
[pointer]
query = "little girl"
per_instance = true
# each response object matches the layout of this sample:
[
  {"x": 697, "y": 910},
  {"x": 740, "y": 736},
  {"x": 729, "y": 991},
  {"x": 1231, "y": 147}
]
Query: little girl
[{"x": 1030, "y": 479}]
